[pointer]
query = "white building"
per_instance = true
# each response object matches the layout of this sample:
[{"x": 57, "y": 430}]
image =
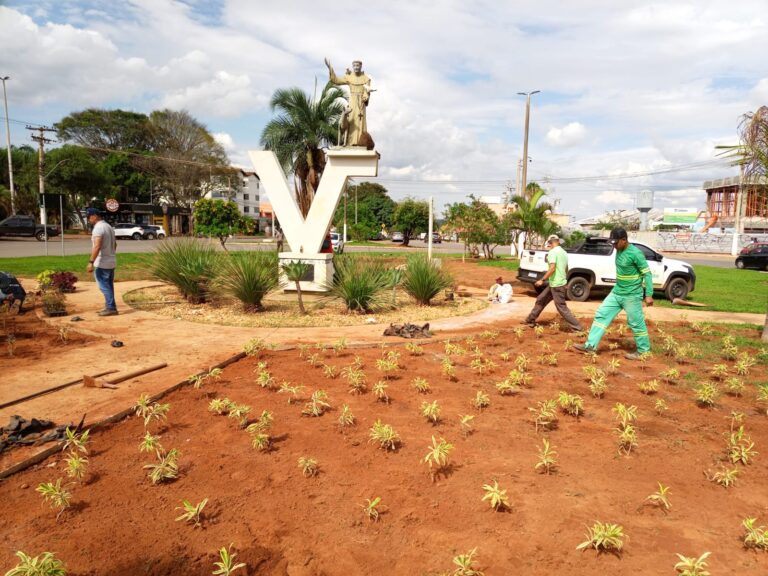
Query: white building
[{"x": 244, "y": 189}]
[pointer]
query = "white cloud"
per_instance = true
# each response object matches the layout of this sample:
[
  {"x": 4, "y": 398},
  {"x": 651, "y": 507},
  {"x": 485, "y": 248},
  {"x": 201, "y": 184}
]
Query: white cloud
[
  {"x": 614, "y": 198},
  {"x": 569, "y": 135},
  {"x": 225, "y": 140}
]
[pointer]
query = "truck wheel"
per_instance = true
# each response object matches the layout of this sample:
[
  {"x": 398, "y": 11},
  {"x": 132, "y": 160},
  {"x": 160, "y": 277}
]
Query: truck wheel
[
  {"x": 740, "y": 264},
  {"x": 136, "y": 236},
  {"x": 40, "y": 235},
  {"x": 677, "y": 288},
  {"x": 578, "y": 289}
]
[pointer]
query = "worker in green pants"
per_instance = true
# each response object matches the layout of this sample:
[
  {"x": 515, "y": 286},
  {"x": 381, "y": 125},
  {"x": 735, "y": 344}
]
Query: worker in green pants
[{"x": 634, "y": 286}]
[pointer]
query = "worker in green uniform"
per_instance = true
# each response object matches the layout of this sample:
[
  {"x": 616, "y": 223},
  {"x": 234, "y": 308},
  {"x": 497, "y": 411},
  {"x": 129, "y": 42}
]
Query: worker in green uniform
[{"x": 634, "y": 286}]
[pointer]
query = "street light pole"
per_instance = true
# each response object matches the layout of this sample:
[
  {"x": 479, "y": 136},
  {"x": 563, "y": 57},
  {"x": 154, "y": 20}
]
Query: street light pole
[
  {"x": 525, "y": 140},
  {"x": 8, "y": 141}
]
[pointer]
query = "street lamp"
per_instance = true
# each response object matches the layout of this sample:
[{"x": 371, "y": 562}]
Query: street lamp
[
  {"x": 525, "y": 141},
  {"x": 8, "y": 141}
]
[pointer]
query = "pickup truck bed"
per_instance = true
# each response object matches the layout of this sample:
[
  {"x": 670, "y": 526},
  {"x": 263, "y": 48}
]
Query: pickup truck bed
[{"x": 591, "y": 267}]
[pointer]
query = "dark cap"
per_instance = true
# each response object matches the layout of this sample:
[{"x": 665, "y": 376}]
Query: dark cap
[
  {"x": 93, "y": 212},
  {"x": 618, "y": 234},
  {"x": 499, "y": 279}
]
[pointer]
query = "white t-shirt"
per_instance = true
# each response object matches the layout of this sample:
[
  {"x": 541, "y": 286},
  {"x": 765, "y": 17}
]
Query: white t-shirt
[
  {"x": 106, "y": 258},
  {"x": 504, "y": 293}
]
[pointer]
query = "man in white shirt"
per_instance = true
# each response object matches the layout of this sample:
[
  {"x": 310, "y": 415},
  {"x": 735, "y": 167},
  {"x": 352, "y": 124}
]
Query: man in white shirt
[{"x": 103, "y": 261}]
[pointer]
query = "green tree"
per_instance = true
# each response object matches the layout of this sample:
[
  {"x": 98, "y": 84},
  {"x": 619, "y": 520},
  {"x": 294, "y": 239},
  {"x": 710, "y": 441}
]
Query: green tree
[
  {"x": 218, "y": 218},
  {"x": 25, "y": 178},
  {"x": 752, "y": 155},
  {"x": 297, "y": 135},
  {"x": 75, "y": 173},
  {"x": 106, "y": 129},
  {"x": 477, "y": 225},
  {"x": 411, "y": 217},
  {"x": 374, "y": 208},
  {"x": 531, "y": 215},
  {"x": 128, "y": 183},
  {"x": 295, "y": 272}
]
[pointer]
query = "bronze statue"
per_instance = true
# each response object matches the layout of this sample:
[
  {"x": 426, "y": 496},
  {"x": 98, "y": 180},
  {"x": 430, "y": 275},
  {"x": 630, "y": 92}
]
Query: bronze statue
[{"x": 353, "y": 124}]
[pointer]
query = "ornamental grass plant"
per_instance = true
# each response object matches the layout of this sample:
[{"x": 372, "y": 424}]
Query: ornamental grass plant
[
  {"x": 188, "y": 264},
  {"x": 424, "y": 280},
  {"x": 360, "y": 283},
  {"x": 248, "y": 277}
]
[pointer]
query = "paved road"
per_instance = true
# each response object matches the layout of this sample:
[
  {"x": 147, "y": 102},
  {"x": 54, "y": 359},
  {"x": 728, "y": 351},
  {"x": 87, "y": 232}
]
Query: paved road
[{"x": 21, "y": 247}]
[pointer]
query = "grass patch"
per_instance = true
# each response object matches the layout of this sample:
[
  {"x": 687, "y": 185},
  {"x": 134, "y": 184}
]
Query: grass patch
[
  {"x": 129, "y": 266},
  {"x": 728, "y": 290},
  {"x": 506, "y": 264}
]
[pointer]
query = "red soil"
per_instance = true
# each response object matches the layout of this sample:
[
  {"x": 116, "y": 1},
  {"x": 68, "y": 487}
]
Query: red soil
[
  {"x": 35, "y": 340},
  {"x": 282, "y": 523}
]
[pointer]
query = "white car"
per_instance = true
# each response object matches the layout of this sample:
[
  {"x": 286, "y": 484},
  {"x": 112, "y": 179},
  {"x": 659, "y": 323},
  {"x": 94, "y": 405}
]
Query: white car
[
  {"x": 129, "y": 231},
  {"x": 152, "y": 232},
  {"x": 592, "y": 267},
  {"x": 337, "y": 242}
]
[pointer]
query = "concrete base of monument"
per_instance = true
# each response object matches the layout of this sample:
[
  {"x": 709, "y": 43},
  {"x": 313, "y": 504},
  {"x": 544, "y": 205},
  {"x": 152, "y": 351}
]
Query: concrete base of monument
[{"x": 320, "y": 274}]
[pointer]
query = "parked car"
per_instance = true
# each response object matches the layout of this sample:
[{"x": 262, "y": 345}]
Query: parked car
[
  {"x": 753, "y": 246},
  {"x": 21, "y": 225},
  {"x": 757, "y": 257},
  {"x": 152, "y": 232},
  {"x": 397, "y": 237},
  {"x": 327, "y": 247},
  {"x": 337, "y": 242},
  {"x": 592, "y": 266},
  {"x": 129, "y": 231},
  {"x": 436, "y": 239}
]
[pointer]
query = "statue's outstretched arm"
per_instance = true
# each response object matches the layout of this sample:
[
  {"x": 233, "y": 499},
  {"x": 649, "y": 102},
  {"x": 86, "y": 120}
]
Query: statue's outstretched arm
[{"x": 332, "y": 75}]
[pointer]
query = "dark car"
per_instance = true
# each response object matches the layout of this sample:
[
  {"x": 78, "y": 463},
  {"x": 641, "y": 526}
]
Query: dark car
[
  {"x": 21, "y": 225},
  {"x": 753, "y": 246},
  {"x": 757, "y": 258}
]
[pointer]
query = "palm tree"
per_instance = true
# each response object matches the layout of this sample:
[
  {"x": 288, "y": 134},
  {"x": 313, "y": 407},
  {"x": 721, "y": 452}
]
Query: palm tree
[
  {"x": 295, "y": 271},
  {"x": 530, "y": 215},
  {"x": 297, "y": 135}
]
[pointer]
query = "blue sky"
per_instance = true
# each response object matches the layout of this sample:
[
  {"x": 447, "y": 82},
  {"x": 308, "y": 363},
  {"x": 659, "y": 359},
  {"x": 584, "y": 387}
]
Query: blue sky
[{"x": 626, "y": 87}]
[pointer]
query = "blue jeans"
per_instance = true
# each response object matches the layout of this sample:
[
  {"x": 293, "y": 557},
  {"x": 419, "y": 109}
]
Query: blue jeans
[{"x": 105, "y": 278}]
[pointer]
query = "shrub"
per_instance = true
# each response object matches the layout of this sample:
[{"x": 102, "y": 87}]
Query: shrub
[
  {"x": 188, "y": 264},
  {"x": 64, "y": 282},
  {"x": 45, "y": 565},
  {"x": 44, "y": 279},
  {"x": 359, "y": 283},
  {"x": 248, "y": 277},
  {"x": 423, "y": 280},
  {"x": 54, "y": 302}
]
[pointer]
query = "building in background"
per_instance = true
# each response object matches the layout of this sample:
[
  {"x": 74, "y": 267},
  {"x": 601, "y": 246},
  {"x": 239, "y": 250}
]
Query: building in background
[
  {"x": 722, "y": 196},
  {"x": 244, "y": 189}
]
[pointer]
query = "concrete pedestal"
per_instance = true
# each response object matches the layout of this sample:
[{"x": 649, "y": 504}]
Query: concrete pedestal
[{"x": 318, "y": 276}]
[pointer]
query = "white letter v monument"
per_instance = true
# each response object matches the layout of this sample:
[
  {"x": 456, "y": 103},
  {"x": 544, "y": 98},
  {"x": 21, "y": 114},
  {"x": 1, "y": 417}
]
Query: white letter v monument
[{"x": 306, "y": 236}]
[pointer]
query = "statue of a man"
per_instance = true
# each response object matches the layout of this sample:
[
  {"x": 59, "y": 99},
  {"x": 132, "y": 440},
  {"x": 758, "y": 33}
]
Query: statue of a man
[{"x": 356, "y": 133}]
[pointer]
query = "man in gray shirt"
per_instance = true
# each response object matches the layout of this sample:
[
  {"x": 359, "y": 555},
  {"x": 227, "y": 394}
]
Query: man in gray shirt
[{"x": 102, "y": 261}]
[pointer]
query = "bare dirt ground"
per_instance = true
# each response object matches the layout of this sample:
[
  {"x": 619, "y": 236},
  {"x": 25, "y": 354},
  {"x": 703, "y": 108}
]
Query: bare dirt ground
[{"x": 282, "y": 523}]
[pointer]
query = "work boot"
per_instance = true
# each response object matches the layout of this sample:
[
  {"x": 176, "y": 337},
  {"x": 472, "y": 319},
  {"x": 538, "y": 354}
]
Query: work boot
[
  {"x": 107, "y": 312},
  {"x": 584, "y": 349},
  {"x": 632, "y": 356},
  {"x": 530, "y": 323}
]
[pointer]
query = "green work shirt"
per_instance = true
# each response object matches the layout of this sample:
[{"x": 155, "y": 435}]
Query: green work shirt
[
  {"x": 559, "y": 258},
  {"x": 632, "y": 271}
]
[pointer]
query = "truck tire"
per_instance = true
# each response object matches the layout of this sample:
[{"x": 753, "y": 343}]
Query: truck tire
[
  {"x": 40, "y": 235},
  {"x": 578, "y": 289},
  {"x": 136, "y": 236},
  {"x": 677, "y": 288}
]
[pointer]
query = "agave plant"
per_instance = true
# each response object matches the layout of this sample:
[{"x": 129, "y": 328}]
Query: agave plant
[
  {"x": 359, "y": 283},
  {"x": 188, "y": 264},
  {"x": 424, "y": 280},
  {"x": 248, "y": 277}
]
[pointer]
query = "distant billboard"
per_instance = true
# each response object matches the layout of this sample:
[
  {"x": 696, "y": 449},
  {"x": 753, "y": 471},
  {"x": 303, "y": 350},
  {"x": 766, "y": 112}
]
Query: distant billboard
[{"x": 680, "y": 215}]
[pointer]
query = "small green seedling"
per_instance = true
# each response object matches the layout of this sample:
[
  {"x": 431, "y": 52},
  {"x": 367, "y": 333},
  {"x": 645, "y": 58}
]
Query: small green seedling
[
  {"x": 387, "y": 367},
  {"x": 385, "y": 435},
  {"x": 755, "y": 536},
  {"x": 454, "y": 349},
  {"x": 431, "y": 411},
  {"x": 598, "y": 386},
  {"x": 371, "y": 508},
  {"x": 227, "y": 564},
  {"x": 308, "y": 466},
  {"x": 719, "y": 371},
  {"x": 150, "y": 444},
  {"x": 254, "y": 347},
  {"x": 167, "y": 467},
  {"x": 627, "y": 439},
  {"x": 481, "y": 400},
  {"x": 157, "y": 412},
  {"x": 691, "y": 566},
  {"x": 482, "y": 366},
  {"x": 519, "y": 331},
  {"x": 219, "y": 405},
  {"x": 55, "y": 494},
  {"x": 649, "y": 387},
  {"x": 465, "y": 422},
  {"x": 437, "y": 457},
  {"x": 519, "y": 377},
  {"x": 346, "y": 418},
  {"x": 448, "y": 368},
  {"x": 339, "y": 346},
  {"x": 660, "y": 498},
  {"x": 625, "y": 415},
  {"x": 355, "y": 378},
  {"x": 314, "y": 360},
  {"x": 77, "y": 466},
  {"x": 44, "y": 565},
  {"x": 744, "y": 363},
  {"x": 725, "y": 477},
  {"x": 670, "y": 376},
  {"x": 613, "y": 365},
  {"x": 545, "y": 415},
  {"x": 496, "y": 496},
  {"x": 507, "y": 388},
  {"x": 571, "y": 404},
  {"x": 465, "y": 564},
  {"x": 706, "y": 394},
  {"x": 740, "y": 447},
  {"x": 734, "y": 386},
  {"x": 240, "y": 413},
  {"x": 76, "y": 442},
  {"x": 421, "y": 385},
  {"x": 192, "y": 512},
  {"x": 330, "y": 371},
  {"x": 504, "y": 356},
  {"x": 380, "y": 391},
  {"x": 317, "y": 405},
  {"x": 604, "y": 537},
  {"x": 547, "y": 459},
  {"x": 414, "y": 349},
  {"x": 660, "y": 406},
  {"x": 293, "y": 391},
  {"x": 522, "y": 361}
]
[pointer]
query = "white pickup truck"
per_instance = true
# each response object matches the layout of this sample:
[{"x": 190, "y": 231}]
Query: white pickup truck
[{"x": 591, "y": 266}]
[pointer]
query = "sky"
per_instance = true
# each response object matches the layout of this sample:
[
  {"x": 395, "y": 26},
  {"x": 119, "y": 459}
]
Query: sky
[{"x": 634, "y": 95}]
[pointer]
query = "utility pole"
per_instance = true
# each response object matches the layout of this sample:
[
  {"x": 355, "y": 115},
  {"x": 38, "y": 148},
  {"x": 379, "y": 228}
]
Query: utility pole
[
  {"x": 525, "y": 140},
  {"x": 42, "y": 141},
  {"x": 8, "y": 142}
]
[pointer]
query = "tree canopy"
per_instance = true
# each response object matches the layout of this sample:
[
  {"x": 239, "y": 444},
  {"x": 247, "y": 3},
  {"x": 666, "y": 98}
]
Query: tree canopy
[
  {"x": 374, "y": 208},
  {"x": 218, "y": 218},
  {"x": 477, "y": 225},
  {"x": 411, "y": 216}
]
